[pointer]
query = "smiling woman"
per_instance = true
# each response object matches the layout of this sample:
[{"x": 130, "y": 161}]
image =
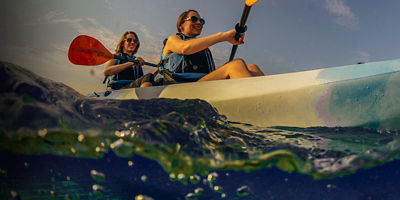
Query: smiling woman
[
  {"x": 125, "y": 73},
  {"x": 189, "y": 59}
]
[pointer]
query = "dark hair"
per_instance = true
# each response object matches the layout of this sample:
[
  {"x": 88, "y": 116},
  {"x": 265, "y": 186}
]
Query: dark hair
[
  {"x": 120, "y": 43},
  {"x": 182, "y": 17}
]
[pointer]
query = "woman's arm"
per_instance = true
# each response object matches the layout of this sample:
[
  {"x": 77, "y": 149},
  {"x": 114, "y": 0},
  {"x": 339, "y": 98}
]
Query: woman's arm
[
  {"x": 186, "y": 47},
  {"x": 155, "y": 72},
  {"x": 111, "y": 68}
]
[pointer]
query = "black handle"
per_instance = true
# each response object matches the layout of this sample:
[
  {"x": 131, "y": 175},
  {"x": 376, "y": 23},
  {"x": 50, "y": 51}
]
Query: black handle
[
  {"x": 133, "y": 60},
  {"x": 240, "y": 28}
]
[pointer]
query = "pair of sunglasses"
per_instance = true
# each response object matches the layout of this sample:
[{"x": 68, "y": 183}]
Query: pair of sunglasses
[
  {"x": 131, "y": 39},
  {"x": 194, "y": 19}
]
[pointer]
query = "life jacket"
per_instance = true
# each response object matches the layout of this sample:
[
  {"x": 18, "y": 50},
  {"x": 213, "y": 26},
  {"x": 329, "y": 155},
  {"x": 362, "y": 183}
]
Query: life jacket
[
  {"x": 187, "y": 68},
  {"x": 125, "y": 76}
]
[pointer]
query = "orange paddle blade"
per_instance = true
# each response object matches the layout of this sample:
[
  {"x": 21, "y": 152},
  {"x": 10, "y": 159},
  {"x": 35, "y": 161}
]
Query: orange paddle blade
[
  {"x": 250, "y": 2},
  {"x": 86, "y": 50}
]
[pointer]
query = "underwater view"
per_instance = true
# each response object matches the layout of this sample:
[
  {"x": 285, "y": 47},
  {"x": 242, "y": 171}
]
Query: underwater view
[{"x": 59, "y": 144}]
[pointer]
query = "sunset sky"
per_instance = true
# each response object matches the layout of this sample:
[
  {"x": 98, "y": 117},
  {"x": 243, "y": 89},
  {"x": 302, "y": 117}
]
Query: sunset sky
[{"x": 283, "y": 35}]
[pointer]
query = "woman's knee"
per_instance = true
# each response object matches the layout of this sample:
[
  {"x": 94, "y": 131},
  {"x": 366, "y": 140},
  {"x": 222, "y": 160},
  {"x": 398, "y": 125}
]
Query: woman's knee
[
  {"x": 239, "y": 61},
  {"x": 238, "y": 64},
  {"x": 253, "y": 68},
  {"x": 146, "y": 84}
]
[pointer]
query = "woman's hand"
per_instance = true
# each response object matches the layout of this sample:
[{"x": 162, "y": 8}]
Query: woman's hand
[
  {"x": 140, "y": 61},
  {"x": 229, "y": 36}
]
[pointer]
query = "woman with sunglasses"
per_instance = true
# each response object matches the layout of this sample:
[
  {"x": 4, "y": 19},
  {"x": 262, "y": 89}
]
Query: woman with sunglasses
[
  {"x": 128, "y": 74},
  {"x": 189, "y": 59}
]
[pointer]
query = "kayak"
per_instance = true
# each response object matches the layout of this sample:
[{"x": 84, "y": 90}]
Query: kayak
[{"x": 361, "y": 95}]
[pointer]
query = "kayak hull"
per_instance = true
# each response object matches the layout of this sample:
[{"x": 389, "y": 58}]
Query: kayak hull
[{"x": 364, "y": 95}]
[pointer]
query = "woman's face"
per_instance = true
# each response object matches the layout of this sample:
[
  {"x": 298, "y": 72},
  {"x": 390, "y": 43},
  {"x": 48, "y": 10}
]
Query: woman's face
[
  {"x": 190, "y": 28},
  {"x": 130, "y": 43}
]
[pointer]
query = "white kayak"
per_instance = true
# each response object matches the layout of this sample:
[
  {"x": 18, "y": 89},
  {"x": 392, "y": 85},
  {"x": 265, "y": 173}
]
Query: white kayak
[{"x": 362, "y": 95}]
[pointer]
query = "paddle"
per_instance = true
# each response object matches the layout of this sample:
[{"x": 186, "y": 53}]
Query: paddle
[
  {"x": 86, "y": 50},
  {"x": 241, "y": 27}
]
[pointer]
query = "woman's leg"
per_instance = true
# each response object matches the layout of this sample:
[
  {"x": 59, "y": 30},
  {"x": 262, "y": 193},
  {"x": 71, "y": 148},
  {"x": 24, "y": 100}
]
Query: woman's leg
[
  {"x": 147, "y": 80},
  {"x": 255, "y": 71},
  {"x": 146, "y": 84},
  {"x": 237, "y": 68}
]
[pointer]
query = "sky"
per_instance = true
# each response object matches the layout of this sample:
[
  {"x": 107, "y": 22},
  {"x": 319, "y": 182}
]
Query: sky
[{"x": 283, "y": 35}]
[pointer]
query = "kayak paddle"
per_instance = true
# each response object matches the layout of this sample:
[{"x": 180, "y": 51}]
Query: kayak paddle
[
  {"x": 86, "y": 50},
  {"x": 241, "y": 27}
]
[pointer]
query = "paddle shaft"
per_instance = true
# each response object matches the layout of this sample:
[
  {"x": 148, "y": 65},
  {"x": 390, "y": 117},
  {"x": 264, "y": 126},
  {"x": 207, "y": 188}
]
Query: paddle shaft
[
  {"x": 241, "y": 25},
  {"x": 132, "y": 60}
]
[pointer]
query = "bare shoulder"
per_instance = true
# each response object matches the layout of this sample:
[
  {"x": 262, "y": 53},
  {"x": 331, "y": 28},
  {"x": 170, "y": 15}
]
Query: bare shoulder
[{"x": 171, "y": 42}]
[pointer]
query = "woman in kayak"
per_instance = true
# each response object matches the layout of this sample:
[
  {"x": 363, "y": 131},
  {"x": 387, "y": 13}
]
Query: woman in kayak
[
  {"x": 185, "y": 49},
  {"x": 125, "y": 71}
]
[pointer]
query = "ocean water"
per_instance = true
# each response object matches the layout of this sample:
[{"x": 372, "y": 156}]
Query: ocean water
[{"x": 58, "y": 144}]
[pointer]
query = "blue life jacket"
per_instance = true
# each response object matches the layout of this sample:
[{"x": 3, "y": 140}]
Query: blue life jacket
[
  {"x": 125, "y": 76},
  {"x": 188, "y": 68}
]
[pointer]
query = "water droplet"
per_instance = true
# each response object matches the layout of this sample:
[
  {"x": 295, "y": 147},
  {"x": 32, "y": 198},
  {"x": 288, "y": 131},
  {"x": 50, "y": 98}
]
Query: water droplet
[
  {"x": 98, "y": 190},
  {"x": 190, "y": 196},
  {"x": 172, "y": 176},
  {"x": 13, "y": 194},
  {"x": 143, "y": 178},
  {"x": 117, "y": 133},
  {"x": 212, "y": 177},
  {"x": 3, "y": 172},
  {"x": 130, "y": 163},
  {"x": 199, "y": 191},
  {"x": 42, "y": 132},
  {"x": 143, "y": 197},
  {"x": 97, "y": 187},
  {"x": 194, "y": 179},
  {"x": 181, "y": 176},
  {"x": 97, "y": 176},
  {"x": 331, "y": 186},
  {"x": 218, "y": 189},
  {"x": 243, "y": 191},
  {"x": 81, "y": 137},
  {"x": 139, "y": 197}
]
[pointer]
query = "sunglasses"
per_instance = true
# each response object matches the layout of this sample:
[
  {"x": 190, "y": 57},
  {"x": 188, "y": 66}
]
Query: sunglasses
[
  {"x": 194, "y": 19},
  {"x": 131, "y": 39}
]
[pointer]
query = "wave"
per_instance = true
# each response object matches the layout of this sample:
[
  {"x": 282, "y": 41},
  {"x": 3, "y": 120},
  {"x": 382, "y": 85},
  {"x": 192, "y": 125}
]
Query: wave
[{"x": 186, "y": 137}]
